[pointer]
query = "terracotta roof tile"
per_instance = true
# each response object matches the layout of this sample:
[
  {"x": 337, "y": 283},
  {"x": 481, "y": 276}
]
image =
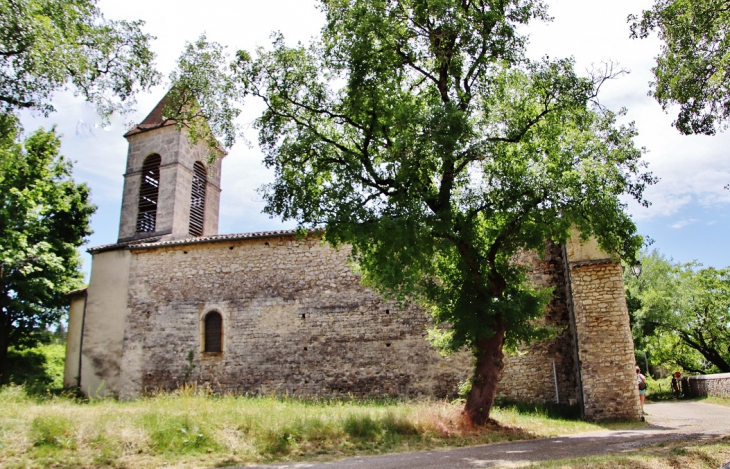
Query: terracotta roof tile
[{"x": 201, "y": 239}]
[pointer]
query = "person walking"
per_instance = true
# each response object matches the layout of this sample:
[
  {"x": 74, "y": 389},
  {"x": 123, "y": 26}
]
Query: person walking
[
  {"x": 675, "y": 384},
  {"x": 641, "y": 383}
]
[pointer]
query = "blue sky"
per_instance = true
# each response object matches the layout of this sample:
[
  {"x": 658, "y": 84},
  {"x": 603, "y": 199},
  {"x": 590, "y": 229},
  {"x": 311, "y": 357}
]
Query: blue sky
[{"x": 689, "y": 216}]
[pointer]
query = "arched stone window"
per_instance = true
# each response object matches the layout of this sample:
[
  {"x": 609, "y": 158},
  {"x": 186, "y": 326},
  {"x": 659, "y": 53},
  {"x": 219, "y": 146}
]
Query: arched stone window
[
  {"x": 213, "y": 335},
  {"x": 149, "y": 190},
  {"x": 197, "y": 200}
]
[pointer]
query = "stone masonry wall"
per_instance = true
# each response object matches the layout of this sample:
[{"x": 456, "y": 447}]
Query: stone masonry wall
[
  {"x": 709, "y": 385},
  {"x": 165, "y": 142},
  {"x": 528, "y": 375},
  {"x": 176, "y": 174},
  {"x": 297, "y": 320},
  {"x": 606, "y": 350}
]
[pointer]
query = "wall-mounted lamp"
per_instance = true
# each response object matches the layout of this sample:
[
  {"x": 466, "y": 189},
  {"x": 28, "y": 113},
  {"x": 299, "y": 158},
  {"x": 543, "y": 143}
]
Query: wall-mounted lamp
[{"x": 636, "y": 268}]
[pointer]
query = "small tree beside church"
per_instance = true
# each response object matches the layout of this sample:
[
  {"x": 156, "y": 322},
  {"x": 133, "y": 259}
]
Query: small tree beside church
[{"x": 44, "y": 218}]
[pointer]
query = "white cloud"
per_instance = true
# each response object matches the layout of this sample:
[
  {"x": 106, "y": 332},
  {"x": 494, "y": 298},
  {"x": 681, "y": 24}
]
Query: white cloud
[{"x": 683, "y": 223}]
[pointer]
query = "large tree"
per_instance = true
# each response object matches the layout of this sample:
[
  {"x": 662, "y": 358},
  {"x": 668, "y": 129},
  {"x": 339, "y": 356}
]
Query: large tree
[
  {"x": 417, "y": 132},
  {"x": 693, "y": 67},
  {"x": 44, "y": 218},
  {"x": 682, "y": 313}
]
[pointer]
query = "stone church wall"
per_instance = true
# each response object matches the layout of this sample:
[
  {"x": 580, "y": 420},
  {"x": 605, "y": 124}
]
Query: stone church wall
[
  {"x": 530, "y": 375},
  {"x": 296, "y": 320}
]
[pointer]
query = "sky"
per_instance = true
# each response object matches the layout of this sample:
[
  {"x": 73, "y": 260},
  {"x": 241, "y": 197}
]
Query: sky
[{"x": 689, "y": 214}]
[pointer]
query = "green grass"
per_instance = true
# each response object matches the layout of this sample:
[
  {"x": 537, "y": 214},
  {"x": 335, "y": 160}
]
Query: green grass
[
  {"x": 190, "y": 428},
  {"x": 41, "y": 425},
  {"x": 717, "y": 400}
]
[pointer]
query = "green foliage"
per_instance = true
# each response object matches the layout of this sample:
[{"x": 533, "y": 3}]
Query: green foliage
[
  {"x": 361, "y": 427},
  {"x": 45, "y": 45},
  {"x": 39, "y": 369},
  {"x": 190, "y": 366},
  {"x": 418, "y": 133},
  {"x": 44, "y": 218},
  {"x": 659, "y": 389},
  {"x": 682, "y": 314},
  {"x": 692, "y": 69},
  {"x": 203, "y": 98}
]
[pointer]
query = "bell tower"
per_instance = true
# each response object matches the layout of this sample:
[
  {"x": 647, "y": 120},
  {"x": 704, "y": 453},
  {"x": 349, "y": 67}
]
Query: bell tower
[{"x": 171, "y": 188}]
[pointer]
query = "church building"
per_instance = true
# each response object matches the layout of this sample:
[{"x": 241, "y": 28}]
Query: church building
[{"x": 173, "y": 301}]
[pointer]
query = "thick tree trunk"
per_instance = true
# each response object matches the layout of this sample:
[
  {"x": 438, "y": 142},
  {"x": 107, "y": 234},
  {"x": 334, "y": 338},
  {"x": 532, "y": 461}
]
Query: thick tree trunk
[{"x": 489, "y": 367}]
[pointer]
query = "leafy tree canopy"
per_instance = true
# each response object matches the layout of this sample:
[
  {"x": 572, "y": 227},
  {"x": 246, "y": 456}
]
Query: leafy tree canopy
[
  {"x": 204, "y": 97},
  {"x": 682, "y": 313},
  {"x": 692, "y": 69},
  {"x": 45, "y": 45},
  {"x": 44, "y": 218},
  {"x": 417, "y": 132}
]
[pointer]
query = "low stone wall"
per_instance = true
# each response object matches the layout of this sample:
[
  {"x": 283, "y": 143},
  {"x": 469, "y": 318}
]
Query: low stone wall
[{"x": 707, "y": 385}]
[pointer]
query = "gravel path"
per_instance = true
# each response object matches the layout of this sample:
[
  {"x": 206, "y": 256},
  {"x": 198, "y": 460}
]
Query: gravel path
[{"x": 668, "y": 421}]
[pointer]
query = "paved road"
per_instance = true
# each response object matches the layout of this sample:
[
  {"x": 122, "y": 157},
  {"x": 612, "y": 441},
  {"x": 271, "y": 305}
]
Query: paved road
[{"x": 668, "y": 421}]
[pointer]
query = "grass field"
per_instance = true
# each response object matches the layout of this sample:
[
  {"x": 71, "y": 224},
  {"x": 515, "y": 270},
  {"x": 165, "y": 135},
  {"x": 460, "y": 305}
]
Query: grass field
[
  {"x": 42, "y": 427},
  {"x": 191, "y": 428}
]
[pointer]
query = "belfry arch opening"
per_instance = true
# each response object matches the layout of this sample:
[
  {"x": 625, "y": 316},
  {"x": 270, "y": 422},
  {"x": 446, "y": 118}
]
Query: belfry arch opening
[
  {"x": 197, "y": 200},
  {"x": 149, "y": 191}
]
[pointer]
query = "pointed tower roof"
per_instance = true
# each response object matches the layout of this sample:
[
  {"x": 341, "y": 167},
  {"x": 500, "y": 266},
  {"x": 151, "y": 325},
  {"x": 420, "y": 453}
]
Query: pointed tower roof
[{"x": 154, "y": 119}]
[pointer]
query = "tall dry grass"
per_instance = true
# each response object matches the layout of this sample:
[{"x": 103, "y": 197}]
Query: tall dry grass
[{"x": 194, "y": 428}]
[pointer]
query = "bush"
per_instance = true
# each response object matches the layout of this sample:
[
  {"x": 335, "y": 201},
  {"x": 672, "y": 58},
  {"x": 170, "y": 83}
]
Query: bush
[
  {"x": 39, "y": 369},
  {"x": 361, "y": 427}
]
